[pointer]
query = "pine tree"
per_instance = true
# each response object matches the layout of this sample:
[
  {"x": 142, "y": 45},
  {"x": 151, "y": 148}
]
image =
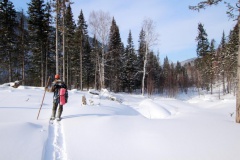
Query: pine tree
[
  {"x": 70, "y": 46},
  {"x": 7, "y": 37},
  {"x": 231, "y": 59},
  {"x": 202, "y": 53},
  {"x": 203, "y": 44},
  {"x": 81, "y": 39},
  {"x": 210, "y": 63},
  {"x": 88, "y": 69},
  {"x": 166, "y": 75},
  {"x": 22, "y": 47},
  {"x": 129, "y": 64},
  {"x": 222, "y": 63},
  {"x": 96, "y": 56},
  {"x": 114, "y": 61},
  {"x": 140, "y": 59},
  {"x": 36, "y": 27},
  {"x": 49, "y": 43},
  {"x": 152, "y": 73}
]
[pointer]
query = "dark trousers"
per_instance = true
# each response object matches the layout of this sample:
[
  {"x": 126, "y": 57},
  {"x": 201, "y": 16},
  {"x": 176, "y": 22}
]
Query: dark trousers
[{"x": 54, "y": 110}]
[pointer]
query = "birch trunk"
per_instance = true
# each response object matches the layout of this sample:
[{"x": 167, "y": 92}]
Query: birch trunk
[{"x": 144, "y": 70}]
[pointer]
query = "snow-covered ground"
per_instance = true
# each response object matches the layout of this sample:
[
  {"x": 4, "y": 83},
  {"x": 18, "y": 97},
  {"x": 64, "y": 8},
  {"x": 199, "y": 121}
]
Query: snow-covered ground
[{"x": 128, "y": 127}]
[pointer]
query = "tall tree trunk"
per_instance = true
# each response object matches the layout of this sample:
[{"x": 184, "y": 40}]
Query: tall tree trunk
[
  {"x": 102, "y": 69},
  {"x": 9, "y": 67},
  {"x": 80, "y": 58},
  {"x": 96, "y": 70},
  {"x": 144, "y": 69},
  {"x": 46, "y": 64},
  {"x": 23, "y": 51},
  {"x": 238, "y": 75},
  {"x": 57, "y": 11},
  {"x": 64, "y": 41},
  {"x": 42, "y": 67},
  {"x": 223, "y": 81}
]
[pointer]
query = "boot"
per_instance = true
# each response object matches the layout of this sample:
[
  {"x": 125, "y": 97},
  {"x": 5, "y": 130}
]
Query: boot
[
  {"x": 54, "y": 111},
  {"x": 60, "y": 110}
]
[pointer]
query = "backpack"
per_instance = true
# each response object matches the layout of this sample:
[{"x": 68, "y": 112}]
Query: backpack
[{"x": 60, "y": 93}]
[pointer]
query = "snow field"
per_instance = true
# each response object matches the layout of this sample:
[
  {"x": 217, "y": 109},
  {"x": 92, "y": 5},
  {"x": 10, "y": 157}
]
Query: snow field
[{"x": 117, "y": 126}]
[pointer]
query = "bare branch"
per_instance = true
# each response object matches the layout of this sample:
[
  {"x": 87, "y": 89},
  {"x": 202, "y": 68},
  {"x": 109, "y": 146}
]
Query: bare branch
[{"x": 204, "y": 4}]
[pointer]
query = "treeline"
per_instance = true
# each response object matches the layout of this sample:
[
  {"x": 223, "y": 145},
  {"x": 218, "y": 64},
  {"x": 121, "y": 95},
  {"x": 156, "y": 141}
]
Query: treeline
[
  {"x": 217, "y": 66},
  {"x": 39, "y": 45}
]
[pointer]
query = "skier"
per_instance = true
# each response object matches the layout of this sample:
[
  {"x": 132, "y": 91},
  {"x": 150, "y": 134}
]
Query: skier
[{"x": 56, "y": 86}]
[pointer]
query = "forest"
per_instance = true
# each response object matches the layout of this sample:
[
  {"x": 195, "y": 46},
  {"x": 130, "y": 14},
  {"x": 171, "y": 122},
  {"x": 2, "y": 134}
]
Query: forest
[{"x": 47, "y": 41}]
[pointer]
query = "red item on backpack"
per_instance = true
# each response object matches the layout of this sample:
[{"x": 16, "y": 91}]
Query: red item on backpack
[{"x": 62, "y": 96}]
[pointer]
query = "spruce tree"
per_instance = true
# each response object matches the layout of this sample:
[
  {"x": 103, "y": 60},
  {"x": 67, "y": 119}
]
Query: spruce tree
[
  {"x": 22, "y": 47},
  {"x": 8, "y": 36},
  {"x": 70, "y": 47},
  {"x": 81, "y": 40},
  {"x": 202, "y": 53},
  {"x": 129, "y": 63},
  {"x": 140, "y": 59},
  {"x": 37, "y": 34},
  {"x": 49, "y": 43},
  {"x": 166, "y": 75},
  {"x": 210, "y": 64},
  {"x": 203, "y": 44},
  {"x": 231, "y": 59},
  {"x": 114, "y": 61},
  {"x": 223, "y": 52},
  {"x": 88, "y": 65}
]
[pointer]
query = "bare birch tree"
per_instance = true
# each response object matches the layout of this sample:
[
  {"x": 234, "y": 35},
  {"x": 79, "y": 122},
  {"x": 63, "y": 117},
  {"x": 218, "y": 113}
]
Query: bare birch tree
[
  {"x": 231, "y": 9},
  {"x": 99, "y": 23},
  {"x": 151, "y": 38}
]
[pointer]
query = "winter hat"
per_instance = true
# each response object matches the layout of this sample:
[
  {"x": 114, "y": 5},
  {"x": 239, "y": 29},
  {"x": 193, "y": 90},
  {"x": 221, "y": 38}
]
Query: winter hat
[{"x": 57, "y": 76}]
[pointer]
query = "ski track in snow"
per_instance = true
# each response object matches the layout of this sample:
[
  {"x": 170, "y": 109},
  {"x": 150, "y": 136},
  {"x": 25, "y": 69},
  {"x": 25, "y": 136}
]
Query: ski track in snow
[{"x": 55, "y": 147}]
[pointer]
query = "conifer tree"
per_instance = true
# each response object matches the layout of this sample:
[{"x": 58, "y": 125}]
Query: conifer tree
[
  {"x": 140, "y": 59},
  {"x": 88, "y": 65},
  {"x": 96, "y": 56},
  {"x": 81, "y": 39},
  {"x": 70, "y": 46},
  {"x": 210, "y": 64},
  {"x": 114, "y": 56},
  {"x": 202, "y": 53},
  {"x": 166, "y": 75},
  {"x": 152, "y": 73},
  {"x": 7, "y": 37},
  {"x": 222, "y": 63},
  {"x": 37, "y": 34},
  {"x": 129, "y": 63},
  {"x": 203, "y": 44},
  {"x": 22, "y": 47},
  {"x": 231, "y": 59},
  {"x": 49, "y": 42}
]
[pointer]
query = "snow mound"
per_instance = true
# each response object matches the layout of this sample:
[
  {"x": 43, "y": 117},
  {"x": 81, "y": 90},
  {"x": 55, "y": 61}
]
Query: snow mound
[
  {"x": 151, "y": 110},
  {"x": 22, "y": 87},
  {"x": 107, "y": 95}
]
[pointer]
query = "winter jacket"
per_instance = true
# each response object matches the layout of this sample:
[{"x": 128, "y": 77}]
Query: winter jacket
[{"x": 56, "y": 85}]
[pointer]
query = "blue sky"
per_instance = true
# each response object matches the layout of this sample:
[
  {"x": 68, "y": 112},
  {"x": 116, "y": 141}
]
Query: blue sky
[{"x": 175, "y": 23}]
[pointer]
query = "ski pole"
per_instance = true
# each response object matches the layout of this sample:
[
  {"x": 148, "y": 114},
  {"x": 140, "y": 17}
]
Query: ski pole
[{"x": 43, "y": 97}]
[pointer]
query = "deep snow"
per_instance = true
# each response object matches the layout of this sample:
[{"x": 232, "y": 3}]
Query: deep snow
[{"x": 118, "y": 127}]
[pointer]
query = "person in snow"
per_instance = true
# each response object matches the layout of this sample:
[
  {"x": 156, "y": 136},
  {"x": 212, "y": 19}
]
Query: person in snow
[{"x": 56, "y": 86}]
